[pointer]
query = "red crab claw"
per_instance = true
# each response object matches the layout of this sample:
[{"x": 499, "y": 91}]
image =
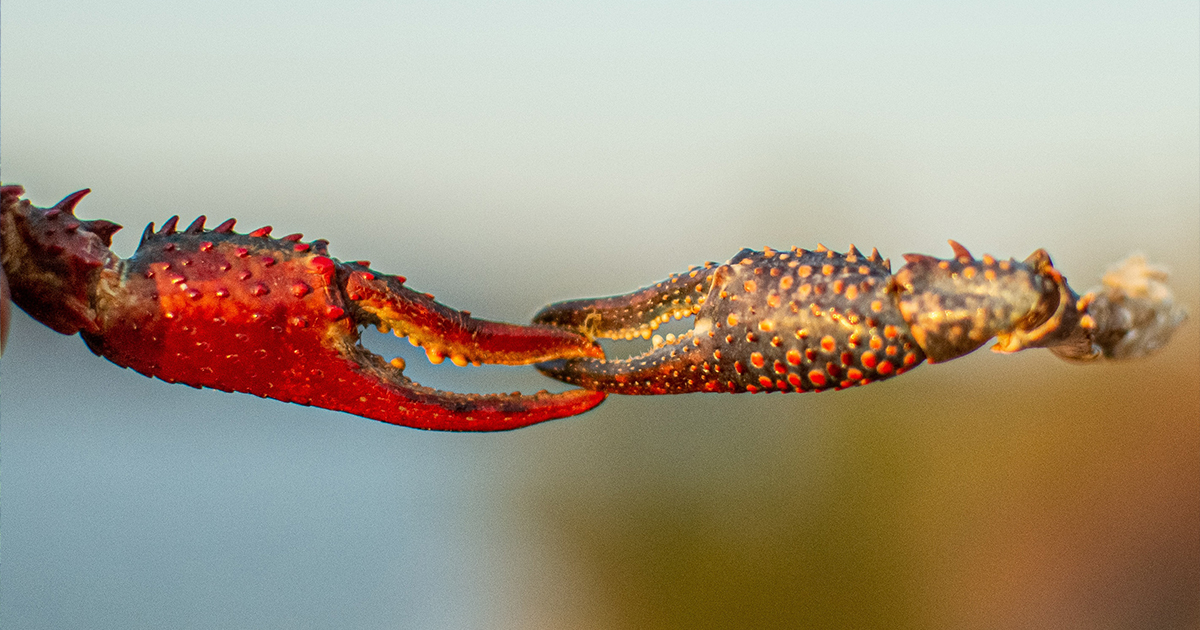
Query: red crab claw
[{"x": 277, "y": 318}]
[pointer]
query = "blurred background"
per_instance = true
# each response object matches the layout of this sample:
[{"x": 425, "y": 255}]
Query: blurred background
[{"x": 504, "y": 155}]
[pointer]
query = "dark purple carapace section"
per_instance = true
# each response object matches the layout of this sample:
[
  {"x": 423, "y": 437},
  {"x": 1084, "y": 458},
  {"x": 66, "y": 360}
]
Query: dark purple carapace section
[
  {"x": 272, "y": 317},
  {"x": 52, "y": 259},
  {"x": 765, "y": 321}
]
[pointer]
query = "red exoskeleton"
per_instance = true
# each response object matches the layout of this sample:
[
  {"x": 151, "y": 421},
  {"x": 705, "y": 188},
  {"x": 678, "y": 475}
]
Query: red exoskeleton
[{"x": 278, "y": 318}]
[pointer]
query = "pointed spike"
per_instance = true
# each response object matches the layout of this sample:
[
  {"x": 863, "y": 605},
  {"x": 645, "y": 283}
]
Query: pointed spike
[
  {"x": 262, "y": 232},
  {"x": 225, "y": 227},
  {"x": 960, "y": 252},
  {"x": 103, "y": 229},
  {"x": 295, "y": 238},
  {"x": 147, "y": 234},
  {"x": 887, "y": 264},
  {"x": 874, "y": 257},
  {"x": 854, "y": 251},
  {"x": 1038, "y": 258},
  {"x": 821, "y": 249},
  {"x": 168, "y": 226},
  {"x": 197, "y": 226},
  {"x": 69, "y": 202}
]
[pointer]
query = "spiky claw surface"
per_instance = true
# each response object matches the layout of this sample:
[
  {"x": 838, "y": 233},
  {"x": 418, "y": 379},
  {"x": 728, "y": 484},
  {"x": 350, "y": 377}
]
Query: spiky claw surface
[
  {"x": 800, "y": 320},
  {"x": 764, "y": 321},
  {"x": 278, "y": 318}
]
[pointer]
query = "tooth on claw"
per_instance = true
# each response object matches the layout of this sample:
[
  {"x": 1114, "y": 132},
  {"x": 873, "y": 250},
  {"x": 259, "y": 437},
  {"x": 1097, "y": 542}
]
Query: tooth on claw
[
  {"x": 961, "y": 252},
  {"x": 657, "y": 340},
  {"x": 434, "y": 356},
  {"x": 197, "y": 226},
  {"x": 398, "y": 363},
  {"x": 168, "y": 226},
  {"x": 459, "y": 360}
]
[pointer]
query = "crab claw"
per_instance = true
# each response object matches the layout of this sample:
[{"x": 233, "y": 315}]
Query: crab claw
[
  {"x": 790, "y": 321},
  {"x": 814, "y": 320},
  {"x": 277, "y": 318}
]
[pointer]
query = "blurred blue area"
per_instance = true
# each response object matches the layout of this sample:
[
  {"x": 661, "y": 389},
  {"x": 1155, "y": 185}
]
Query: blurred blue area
[
  {"x": 507, "y": 155},
  {"x": 131, "y": 503}
]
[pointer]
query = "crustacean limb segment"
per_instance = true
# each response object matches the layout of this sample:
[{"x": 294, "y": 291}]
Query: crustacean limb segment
[
  {"x": 954, "y": 306},
  {"x": 814, "y": 320},
  {"x": 764, "y": 321},
  {"x": 277, "y": 318}
]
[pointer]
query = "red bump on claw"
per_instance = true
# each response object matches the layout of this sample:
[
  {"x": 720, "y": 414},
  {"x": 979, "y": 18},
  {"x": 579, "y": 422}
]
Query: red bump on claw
[{"x": 322, "y": 265}]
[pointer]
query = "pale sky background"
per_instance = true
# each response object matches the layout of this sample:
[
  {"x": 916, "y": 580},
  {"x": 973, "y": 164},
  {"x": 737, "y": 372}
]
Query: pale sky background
[{"x": 504, "y": 155}]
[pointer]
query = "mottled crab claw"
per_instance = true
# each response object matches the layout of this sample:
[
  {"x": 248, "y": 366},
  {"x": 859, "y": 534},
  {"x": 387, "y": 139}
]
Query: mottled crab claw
[
  {"x": 789, "y": 321},
  {"x": 814, "y": 320},
  {"x": 277, "y": 318}
]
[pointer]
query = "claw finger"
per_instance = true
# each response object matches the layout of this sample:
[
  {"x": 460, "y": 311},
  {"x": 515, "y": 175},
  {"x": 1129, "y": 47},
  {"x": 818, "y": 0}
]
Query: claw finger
[
  {"x": 445, "y": 332},
  {"x": 635, "y": 314}
]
